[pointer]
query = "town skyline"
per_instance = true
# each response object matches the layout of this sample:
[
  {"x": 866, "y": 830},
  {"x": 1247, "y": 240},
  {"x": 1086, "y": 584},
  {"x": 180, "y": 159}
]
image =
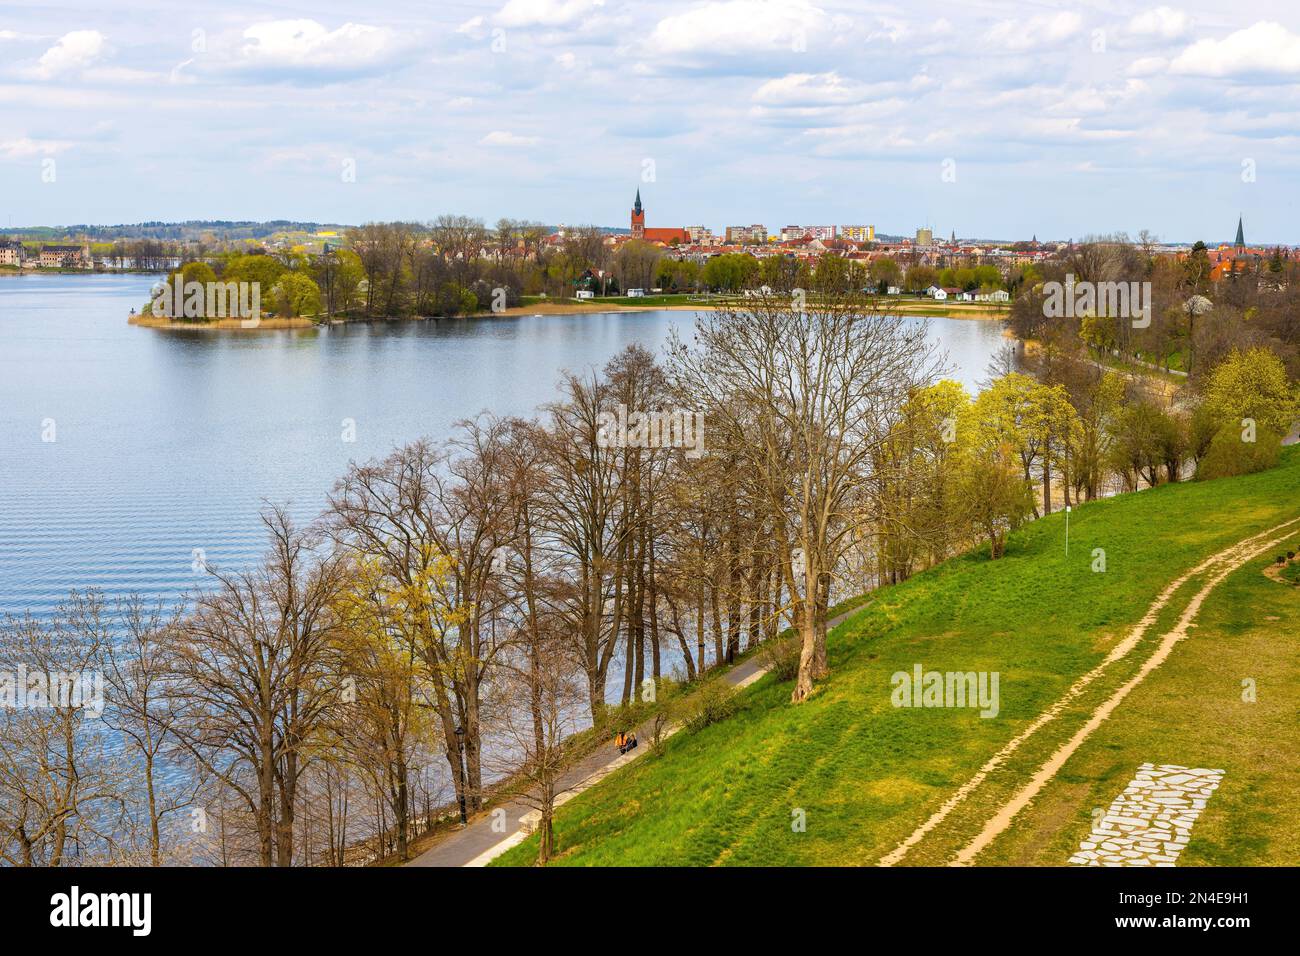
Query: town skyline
[
  {"x": 856, "y": 232},
  {"x": 1167, "y": 116}
]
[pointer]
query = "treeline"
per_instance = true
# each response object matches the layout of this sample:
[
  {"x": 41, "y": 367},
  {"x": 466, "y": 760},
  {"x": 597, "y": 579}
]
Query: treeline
[
  {"x": 1194, "y": 321},
  {"x": 189, "y": 230},
  {"x": 458, "y": 610}
]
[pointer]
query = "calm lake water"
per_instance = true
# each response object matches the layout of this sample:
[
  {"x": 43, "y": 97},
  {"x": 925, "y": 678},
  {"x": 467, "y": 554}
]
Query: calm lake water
[{"x": 168, "y": 442}]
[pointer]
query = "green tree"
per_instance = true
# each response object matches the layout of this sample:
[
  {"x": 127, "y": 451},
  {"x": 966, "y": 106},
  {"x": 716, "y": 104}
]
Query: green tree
[
  {"x": 1197, "y": 268},
  {"x": 1252, "y": 385},
  {"x": 261, "y": 269},
  {"x": 920, "y": 278},
  {"x": 199, "y": 272},
  {"x": 885, "y": 272},
  {"x": 730, "y": 272},
  {"x": 294, "y": 294}
]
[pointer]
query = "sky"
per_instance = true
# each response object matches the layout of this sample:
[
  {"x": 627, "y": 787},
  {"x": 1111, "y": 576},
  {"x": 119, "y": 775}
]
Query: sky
[{"x": 988, "y": 119}]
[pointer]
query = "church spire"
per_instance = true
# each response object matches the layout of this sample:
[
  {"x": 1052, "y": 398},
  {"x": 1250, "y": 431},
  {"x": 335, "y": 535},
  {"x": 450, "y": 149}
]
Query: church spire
[
  {"x": 638, "y": 218},
  {"x": 1241, "y": 236}
]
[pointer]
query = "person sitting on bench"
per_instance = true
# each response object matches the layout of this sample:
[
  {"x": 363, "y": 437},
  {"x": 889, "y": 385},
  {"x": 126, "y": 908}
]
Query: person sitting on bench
[
  {"x": 620, "y": 741},
  {"x": 629, "y": 742}
]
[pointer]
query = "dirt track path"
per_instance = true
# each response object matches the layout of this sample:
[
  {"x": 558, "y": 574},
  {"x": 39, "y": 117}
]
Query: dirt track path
[{"x": 1221, "y": 564}]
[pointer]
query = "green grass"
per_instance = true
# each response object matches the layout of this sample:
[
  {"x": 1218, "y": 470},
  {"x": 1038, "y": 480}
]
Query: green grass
[
  {"x": 651, "y": 300},
  {"x": 863, "y": 774},
  {"x": 1195, "y": 711}
]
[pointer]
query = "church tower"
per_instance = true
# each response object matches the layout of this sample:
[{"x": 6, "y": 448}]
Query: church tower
[
  {"x": 1240, "y": 244},
  {"x": 638, "y": 218}
]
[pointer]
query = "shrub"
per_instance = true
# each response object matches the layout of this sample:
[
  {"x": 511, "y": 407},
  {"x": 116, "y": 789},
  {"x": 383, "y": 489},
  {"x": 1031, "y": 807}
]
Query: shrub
[
  {"x": 714, "y": 702},
  {"x": 780, "y": 656},
  {"x": 1229, "y": 455}
]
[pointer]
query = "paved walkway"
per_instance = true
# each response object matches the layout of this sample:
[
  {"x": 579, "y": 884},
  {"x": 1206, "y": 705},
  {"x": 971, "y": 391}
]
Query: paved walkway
[{"x": 495, "y": 831}]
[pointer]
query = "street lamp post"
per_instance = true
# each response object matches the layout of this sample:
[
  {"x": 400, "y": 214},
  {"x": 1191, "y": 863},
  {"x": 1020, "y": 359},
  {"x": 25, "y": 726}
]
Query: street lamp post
[{"x": 460, "y": 769}]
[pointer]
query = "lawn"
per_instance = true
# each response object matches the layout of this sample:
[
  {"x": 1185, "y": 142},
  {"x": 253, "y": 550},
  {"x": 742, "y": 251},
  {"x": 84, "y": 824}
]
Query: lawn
[
  {"x": 860, "y": 774},
  {"x": 1226, "y": 699}
]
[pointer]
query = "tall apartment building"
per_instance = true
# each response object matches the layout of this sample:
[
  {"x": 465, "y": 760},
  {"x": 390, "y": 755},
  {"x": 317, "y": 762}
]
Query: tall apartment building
[
  {"x": 811, "y": 232},
  {"x": 858, "y": 233},
  {"x": 699, "y": 233},
  {"x": 756, "y": 233},
  {"x": 925, "y": 237}
]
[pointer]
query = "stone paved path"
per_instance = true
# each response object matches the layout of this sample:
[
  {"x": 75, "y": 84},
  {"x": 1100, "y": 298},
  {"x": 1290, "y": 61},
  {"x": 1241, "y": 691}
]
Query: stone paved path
[{"x": 1151, "y": 821}]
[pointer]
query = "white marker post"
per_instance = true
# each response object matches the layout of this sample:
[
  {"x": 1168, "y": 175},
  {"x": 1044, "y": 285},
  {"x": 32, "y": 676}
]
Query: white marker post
[{"x": 1067, "y": 531}]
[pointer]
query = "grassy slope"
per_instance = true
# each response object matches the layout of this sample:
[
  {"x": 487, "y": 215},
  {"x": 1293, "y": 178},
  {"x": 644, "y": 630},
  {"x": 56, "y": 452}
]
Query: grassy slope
[
  {"x": 865, "y": 774},
  {"x": 1192, "y": 712}
]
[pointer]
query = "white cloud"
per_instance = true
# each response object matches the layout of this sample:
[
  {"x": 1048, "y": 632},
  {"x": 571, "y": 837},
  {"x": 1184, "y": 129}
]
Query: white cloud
[
  {"x": 1027, "y": 34},
  {"x": 738, "y": 26},
  {"x": 472, "y": 27},
  {"x": 1265, "y": 47},
  {"x": 307, "y": 46},
  {"x": 73, "y": 51},
  {"x": 25, "y": 148},
  {"x": 810, "y": 89},
  {"x": 1163, "y": 22},
  {"x": 1147, "y": 66},
  {"x": 1092, "y": 99},
  {"x": 510, "y": 140},
  {"x": 544, "y": 13}
]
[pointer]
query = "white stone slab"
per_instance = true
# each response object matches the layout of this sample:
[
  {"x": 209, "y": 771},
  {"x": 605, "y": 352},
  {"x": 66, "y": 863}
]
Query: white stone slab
[{"x": 1151, "y": 821}]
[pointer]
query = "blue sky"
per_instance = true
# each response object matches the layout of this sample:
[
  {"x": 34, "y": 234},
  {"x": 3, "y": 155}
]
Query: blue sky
[{"x": 988, "y": 118}]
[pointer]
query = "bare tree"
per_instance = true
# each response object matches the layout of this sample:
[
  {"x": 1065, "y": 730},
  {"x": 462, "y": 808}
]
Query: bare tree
[
  {"x": 63, "y": 795},
  {"x": 255, "y": 668},
  {"x": 137, "y": 669}
]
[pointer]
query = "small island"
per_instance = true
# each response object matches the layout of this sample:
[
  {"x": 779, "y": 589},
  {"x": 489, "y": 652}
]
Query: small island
[{"x": 455, "y": 267}]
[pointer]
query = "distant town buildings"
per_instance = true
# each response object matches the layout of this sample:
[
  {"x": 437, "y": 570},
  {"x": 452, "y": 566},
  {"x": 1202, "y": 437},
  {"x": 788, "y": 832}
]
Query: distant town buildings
[
  {"x": 11, "y": 254},
  {"x": 858, "y": 233},
  {"x": 667, "y": 237},
  {"x": 807, "y": 232},
  {"x": 756, "y": 233},
  {"x": 62, "y": 257}
]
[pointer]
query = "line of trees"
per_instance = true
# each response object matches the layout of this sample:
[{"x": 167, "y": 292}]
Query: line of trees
[{"x": 1195, "y": 321}]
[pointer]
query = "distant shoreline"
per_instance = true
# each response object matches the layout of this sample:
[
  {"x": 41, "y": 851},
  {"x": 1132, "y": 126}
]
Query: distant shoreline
[
  {"x": 50, "y": 271},
  {"x": 921, "y": 308},
  {"x": 146, "y": 321}
]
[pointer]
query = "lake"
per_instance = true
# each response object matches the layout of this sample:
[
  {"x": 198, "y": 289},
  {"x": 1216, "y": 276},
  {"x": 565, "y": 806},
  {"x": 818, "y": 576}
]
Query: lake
[{"x": 166, "y": 443}]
